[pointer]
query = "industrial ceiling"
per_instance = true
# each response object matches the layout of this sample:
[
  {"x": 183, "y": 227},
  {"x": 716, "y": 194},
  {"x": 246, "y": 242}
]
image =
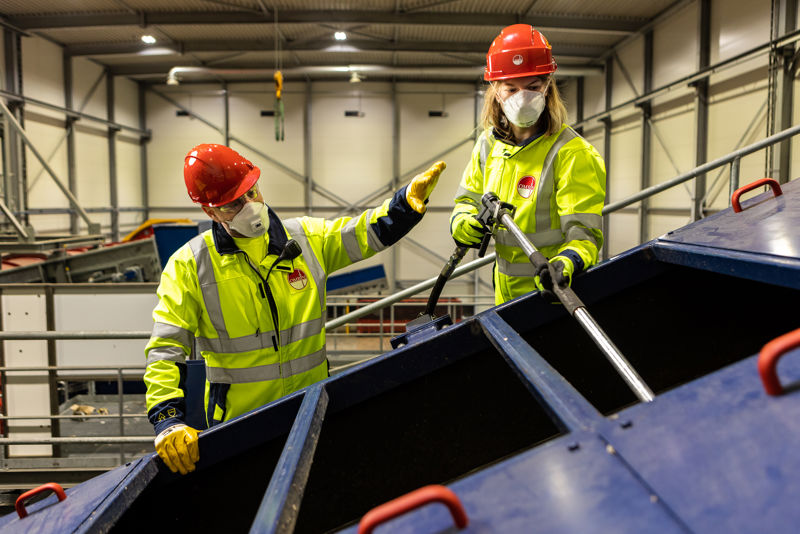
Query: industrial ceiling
[{"x": 385, "y": 39}]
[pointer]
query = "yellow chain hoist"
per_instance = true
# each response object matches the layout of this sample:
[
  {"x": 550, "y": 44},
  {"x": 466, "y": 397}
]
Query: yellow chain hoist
[{"x": 278, "y": 77}]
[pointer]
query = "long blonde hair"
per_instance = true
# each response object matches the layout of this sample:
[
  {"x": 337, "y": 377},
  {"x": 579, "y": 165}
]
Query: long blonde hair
[{"x": 553, "y": 116}]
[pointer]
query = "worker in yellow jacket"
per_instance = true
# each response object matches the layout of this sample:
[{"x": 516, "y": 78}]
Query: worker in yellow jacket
[
  {"x": 249, "y": 294},
  {"x": 530, "y": 158}
]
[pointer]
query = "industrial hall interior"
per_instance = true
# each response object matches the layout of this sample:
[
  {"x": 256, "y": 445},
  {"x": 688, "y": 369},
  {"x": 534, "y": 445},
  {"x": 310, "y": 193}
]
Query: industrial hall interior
[{"x": 427, "y": 266}]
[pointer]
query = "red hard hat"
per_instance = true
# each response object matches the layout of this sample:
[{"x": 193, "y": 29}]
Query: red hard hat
[
  {"x": 517, "y": 52},
  {"x": 217, "y": 174}
]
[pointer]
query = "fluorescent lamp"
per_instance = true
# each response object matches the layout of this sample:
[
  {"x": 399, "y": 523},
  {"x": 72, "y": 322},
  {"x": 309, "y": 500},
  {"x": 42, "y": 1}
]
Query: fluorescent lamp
[
  {"x": 340, "y": 36},
  {"x": 148, "y": 39}
]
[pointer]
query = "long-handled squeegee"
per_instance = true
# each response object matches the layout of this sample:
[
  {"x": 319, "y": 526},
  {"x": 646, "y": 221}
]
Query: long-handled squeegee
[{"x": 502, "y": 213}]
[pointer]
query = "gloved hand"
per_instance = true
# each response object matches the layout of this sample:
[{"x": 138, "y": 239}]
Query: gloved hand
[
  {"x": 177, "y": 446},
  {"x": 562, "y": 271},
  {"x": 420, "y": 188},
  {"x": 467, "y": 229},
  {"x": 564, "y": 268}
]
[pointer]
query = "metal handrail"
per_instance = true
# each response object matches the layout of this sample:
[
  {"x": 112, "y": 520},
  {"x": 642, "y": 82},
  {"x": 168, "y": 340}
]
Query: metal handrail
[
  {"x": 733, "y": 159},
  {"x": 400, "y": 295}
]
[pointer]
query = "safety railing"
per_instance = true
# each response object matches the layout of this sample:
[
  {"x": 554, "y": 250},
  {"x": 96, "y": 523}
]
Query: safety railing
[
  {"x": 733, "y": 159},
  {"x": 77, "y": 373}
]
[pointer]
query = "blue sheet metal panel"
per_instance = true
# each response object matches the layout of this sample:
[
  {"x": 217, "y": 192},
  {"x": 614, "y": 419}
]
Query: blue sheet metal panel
[
  {"x": 721, "y": 452},
  {"x": 601, "y": 281},
  {"x": 85, "y": 506},
  {"x": 368, "y": 275},
  {"x": 766, "y": 225},
  {"x": 558, "y": 397},
  {"x": 776, "y": 270},
  {"x": 555, "y": 488},
  {"x": 279, "y": 509},
  {"x": 170, "y": 237}
]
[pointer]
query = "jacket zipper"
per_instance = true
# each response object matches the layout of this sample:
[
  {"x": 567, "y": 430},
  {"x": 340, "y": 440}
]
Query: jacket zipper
[{"x": 263, "y": 288}]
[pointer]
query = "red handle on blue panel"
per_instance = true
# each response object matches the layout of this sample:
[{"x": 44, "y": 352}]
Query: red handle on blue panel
[
  {"x": 776, "y": 190},
  {"x": 410, "y": 501},
  {"x": 19, "y": 505},
  {"x": 768, "y": 360}
]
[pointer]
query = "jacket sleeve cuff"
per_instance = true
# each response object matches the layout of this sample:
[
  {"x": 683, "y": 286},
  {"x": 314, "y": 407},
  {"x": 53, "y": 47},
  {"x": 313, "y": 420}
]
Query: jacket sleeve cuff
[
  {"x": 398, "y": 221},
  {"x": 161, "y": 426},
  {"x": 575, "y": 258},
  {"x": 167, "y": 413}
]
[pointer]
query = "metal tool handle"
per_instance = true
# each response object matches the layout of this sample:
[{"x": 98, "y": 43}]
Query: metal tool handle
[
  {"x": 577, "y": 309},
  {"x": 776, "y": 190},
  {"x": 410, "y": 501},
  {"x": 768, "y": 360},
  {"x": 19, "y": 505}
]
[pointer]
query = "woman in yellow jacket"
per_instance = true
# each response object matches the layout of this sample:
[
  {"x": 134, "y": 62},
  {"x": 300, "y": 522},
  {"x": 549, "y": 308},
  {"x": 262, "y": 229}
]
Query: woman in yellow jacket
[{"x": 530, "y": 158}]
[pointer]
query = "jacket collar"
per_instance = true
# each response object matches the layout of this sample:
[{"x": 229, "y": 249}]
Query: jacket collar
[{"x": 276, "y": 235}]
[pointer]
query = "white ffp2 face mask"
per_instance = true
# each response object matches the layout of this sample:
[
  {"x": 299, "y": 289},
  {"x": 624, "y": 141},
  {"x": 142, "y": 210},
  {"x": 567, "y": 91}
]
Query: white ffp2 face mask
[
  {"x": 252, "y": 220},
  {"x": 524, "y": 107}
]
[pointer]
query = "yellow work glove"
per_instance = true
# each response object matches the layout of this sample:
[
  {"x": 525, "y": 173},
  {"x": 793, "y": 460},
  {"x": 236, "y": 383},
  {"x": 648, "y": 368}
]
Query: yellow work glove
[
  {"x": 466, "y": 229},
  {"x": 177, "y": 446},
  {"x": 420, "y": 188}
]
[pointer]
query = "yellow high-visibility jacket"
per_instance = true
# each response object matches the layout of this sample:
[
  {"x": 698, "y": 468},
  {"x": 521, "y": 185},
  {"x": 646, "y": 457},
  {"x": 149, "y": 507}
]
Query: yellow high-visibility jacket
[
  {"x": 213, "y": 296},
  {"x": 558, "y": 185}
]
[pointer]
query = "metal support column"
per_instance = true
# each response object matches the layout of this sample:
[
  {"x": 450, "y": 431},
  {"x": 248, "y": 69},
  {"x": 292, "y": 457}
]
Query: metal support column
[
  {"x": 307, "y": 154},
  {"x": 609, "y": 79},
  {"x": 112, "y": 158},
  {"x": 226, "y": 125},
  {"x": 395, "y": 176},
  {"x": 476, "y": 117},
  {"x": 784, "y": 90},
  {"x": 644, "y": 178},
  {"x": 143, "y": 150},
  {"x": 69, "y": 121},
  {"x": 701, "y": 108},
  {"x": 55, "y": 424},
  {"x": 13, "y": 149},
  {"x": 579, "y": 96}
]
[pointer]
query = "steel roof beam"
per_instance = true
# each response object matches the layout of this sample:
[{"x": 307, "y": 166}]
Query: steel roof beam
[
  {"x": 542, "y": 21},
  {"x": 351, "y": 45}
]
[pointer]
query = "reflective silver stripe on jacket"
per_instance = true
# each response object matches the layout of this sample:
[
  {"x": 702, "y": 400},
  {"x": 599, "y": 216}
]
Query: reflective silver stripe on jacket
[
  {"x": 173, "y": 333},
  {"x": 463, "y": 192},
  {"x": 306, "y": 363},
  {"x": 546, "y": 186},
  {"x": 372, "y": 238},
  {"x": 350, "y": 240},
  {"x": 298, "y": 233},
  {"x": 515, "y": 269},
  {"x": 170, "y": 354},
  {"x": 262, "y": 373},
  {"x": 484, "y": 151},
  {"x": 208, "y": 284},
  {"x": 578, "y": 233},
  {"x": 264, "y": 339},
  {"x": 539, "y": 239}
]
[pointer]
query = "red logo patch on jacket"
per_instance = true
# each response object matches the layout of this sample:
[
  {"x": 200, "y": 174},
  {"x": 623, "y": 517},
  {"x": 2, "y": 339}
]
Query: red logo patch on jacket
[
  {"x": 297, "y": 279},
  {"x": 526, "y": 186}
]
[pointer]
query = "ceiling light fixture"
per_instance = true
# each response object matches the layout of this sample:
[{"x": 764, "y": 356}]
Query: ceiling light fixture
[
  {"x": 148, "y": 39},
  {"x": 340, "y": 36}
]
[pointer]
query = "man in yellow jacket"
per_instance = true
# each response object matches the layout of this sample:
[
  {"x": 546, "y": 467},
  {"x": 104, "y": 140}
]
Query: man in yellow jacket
[{"x": 249, "y": 294}]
